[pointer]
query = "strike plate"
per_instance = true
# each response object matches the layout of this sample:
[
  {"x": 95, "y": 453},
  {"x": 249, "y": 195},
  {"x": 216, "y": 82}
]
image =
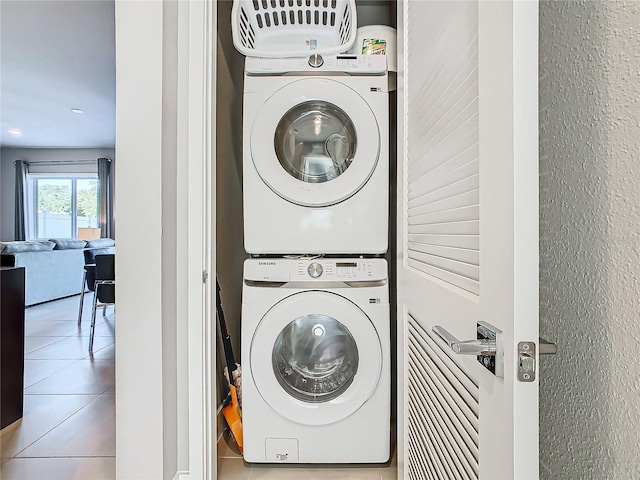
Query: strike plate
[{"x": 526, "y": 361}]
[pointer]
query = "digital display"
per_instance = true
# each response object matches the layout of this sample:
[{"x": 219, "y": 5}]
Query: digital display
[
  {"x": 346, "y": 264},
  {"x": 347, "y": 57}
]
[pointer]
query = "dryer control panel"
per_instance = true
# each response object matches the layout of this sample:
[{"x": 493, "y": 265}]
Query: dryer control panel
[
  {"x": 317, "y": 269},
  {"x": 345, "y": 63}
]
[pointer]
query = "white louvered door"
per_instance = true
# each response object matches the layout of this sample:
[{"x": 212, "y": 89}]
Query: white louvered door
[{"x": 467, "y": 235}]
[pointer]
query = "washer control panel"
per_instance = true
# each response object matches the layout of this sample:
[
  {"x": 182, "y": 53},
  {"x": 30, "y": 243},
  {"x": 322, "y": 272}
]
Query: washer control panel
[{"x": 315, "y": 269}]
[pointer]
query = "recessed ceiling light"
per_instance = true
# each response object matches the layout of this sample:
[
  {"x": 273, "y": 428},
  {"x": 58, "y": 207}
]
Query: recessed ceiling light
[
  {"x": 76, "y": 110},
  {"x": 16, "y": 132}
]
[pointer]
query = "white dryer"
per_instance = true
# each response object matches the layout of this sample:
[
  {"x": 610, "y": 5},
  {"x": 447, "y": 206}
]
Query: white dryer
[
  {"x": 316, "y": 361},
  {"x": 316, "y": 155}
]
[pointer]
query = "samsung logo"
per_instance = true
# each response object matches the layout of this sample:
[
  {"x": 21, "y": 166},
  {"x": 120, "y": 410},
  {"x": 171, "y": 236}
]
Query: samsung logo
[{"x": 266, "y": 263}]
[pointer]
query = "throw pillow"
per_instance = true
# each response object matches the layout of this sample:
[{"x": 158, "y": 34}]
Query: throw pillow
[
  {"x": 100, "y": 243},
  {"x": 67, "y": 243},
  {"x": 27, "y": 246}
]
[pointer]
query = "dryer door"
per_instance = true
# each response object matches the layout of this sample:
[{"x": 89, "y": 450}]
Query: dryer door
[
  {"x": 316, "y": 358},
  {"x": 315, "y": 142}
]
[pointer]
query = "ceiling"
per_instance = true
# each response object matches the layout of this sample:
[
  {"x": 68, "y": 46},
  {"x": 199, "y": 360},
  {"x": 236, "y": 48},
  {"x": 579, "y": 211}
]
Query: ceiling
[{"x": 56, "y": 56}]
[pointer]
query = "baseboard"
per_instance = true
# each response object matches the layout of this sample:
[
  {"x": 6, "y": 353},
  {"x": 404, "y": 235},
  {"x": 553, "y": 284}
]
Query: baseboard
[{"x": 181, "y": 476}]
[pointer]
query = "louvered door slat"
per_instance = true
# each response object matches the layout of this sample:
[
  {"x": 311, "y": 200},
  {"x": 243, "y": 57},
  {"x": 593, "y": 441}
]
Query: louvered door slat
[
  {"x": 422, "y": 465},
  {"x": 426, "y": 451},
  {"x": 430, "y": 181},
  {"x": 465, "y": 387},
  {"x": 449, "y": 228},
  {"x": 453, "y": 253},
  {"x": 450, "y": 202},
  {"x": 470, "y": 242},
  {"x": 446, "y": 276},
  {"x": 459, "y": 269},
  {"x": 461, "y": 78},
  {"x": 456, "y": 187},
  {"x": 465, "y": 411},
  {"x": 427, "y": 429},
  {"x": 442, "y": 157},
  {"x": 445, "y": 81},
  {"x": 456, "y": 122},
  {"x": 469, "y": 212},
  {"x": 465, "y": 430},
  {"x": 461, "y": 436},
  {"x": 443, "y": 406},
  {"x": 453, "y": 138},
  {"x": 454, "y": 456}
]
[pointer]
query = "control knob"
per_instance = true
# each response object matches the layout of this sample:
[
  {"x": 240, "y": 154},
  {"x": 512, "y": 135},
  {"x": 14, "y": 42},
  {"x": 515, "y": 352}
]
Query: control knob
[
  {"x": 314, "y": 270},
  {"x": 316, "y": 61}
]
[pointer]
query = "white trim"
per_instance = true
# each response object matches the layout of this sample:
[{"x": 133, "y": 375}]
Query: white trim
[
  {"x": 181, "y": 475},
  {"x": 201, "y": 242},
  {"x": 402, "y": 412}
]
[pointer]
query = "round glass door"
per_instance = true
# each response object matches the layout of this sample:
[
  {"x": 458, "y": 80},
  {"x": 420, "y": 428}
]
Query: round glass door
[
  {"x": 315, "y": 358},
  {"x": 315, "y": 141}
]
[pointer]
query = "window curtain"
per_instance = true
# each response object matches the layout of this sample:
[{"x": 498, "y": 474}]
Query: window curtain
[
  {"x": 20, "y": 224},
  {"x": 105, "y": 198}
]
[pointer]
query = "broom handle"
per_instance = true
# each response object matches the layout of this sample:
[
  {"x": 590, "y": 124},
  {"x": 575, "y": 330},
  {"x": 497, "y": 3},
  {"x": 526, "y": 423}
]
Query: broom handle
[{"x": 226, "y": 338}]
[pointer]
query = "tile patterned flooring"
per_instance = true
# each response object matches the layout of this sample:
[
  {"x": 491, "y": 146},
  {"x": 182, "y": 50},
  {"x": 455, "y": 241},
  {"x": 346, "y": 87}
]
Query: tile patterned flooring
[{"x": 68, "y": 428}]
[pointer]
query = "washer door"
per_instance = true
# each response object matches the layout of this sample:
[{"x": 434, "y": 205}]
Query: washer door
[
  {"x": 315, "y": 142},
  {"x": 316, "y": 358}
]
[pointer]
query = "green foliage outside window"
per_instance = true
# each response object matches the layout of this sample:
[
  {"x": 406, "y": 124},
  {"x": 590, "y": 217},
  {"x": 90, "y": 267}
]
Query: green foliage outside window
[
  {"x": 56, "y": 199},
  {"x": 88, "y": 199}
]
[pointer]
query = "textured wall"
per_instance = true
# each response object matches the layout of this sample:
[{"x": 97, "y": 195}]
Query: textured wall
[{"x": 590, "y": 238}]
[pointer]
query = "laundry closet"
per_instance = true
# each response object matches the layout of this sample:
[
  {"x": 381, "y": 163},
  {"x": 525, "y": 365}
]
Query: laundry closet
[
  {"x": 231, "y": 253},
  {"x": 471, "y": 66}
]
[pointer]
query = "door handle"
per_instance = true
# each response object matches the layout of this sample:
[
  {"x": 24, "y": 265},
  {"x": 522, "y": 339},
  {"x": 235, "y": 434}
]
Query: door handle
[
  {"x": 466, "y": 347},
  {"x": 488, "y": 347}
]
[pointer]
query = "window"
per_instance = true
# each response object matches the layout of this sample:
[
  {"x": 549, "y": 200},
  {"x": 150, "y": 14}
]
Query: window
[{"x": 65, "y": 206}]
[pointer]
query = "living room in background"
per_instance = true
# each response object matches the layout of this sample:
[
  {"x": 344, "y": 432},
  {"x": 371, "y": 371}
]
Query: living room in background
[{"x": 64, "y": 206}]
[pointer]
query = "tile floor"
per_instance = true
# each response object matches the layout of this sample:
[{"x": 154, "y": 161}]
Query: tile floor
[{"x": 68, "y": 428}]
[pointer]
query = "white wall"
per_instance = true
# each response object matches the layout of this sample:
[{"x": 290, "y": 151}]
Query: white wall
[
  {"x": 590, "y": 238},
  {"x": 8, "y": 178},
  {"x": 139, "y": 266}
]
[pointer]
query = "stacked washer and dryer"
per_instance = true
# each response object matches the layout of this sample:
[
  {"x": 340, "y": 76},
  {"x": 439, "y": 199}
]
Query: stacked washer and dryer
[{"x": 315, "y": 311}]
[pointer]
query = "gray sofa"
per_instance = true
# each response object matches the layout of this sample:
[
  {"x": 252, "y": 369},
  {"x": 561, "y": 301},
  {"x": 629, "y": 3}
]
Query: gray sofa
[{"x": 53, "y": 268}]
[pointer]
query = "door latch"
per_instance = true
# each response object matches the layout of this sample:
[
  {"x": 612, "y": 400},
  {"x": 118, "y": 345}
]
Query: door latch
[
  {"x": 527, "y": 358},
  {"x": 526, "y": 361}
]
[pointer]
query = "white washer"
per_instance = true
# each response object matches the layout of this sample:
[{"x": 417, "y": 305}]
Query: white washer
[
  {"x": 316, "y": 155},
  {"x": 316, "y": 361}
]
